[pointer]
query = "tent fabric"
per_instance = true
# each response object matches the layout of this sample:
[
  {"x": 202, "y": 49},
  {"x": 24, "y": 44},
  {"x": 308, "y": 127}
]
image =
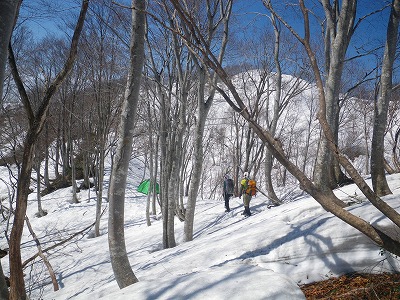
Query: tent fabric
[{"x": 144, "y": 187}]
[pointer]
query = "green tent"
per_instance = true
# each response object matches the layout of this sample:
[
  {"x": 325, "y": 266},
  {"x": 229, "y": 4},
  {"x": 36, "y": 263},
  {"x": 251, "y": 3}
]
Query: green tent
[{"x": 144, "y": 187}]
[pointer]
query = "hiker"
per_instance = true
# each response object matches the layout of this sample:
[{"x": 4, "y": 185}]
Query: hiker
[
  {"x": 247, "y": 189},
  {"x": 228, "y": 191}
]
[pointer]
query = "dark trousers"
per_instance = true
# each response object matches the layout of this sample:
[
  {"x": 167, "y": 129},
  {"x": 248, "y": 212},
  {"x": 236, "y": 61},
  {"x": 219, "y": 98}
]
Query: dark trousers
[{"x": 226, "y": 198}]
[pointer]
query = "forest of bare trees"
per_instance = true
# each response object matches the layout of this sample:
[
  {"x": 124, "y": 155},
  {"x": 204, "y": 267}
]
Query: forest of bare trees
[{"x": 196, "y": 91}]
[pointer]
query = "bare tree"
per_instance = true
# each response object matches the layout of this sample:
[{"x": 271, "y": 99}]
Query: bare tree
[
  {"x": 326, "y": 198},
  {"x": 379, "y": 182},
  {"x": 173, "y": 68},
  {"x": 103, "y": 47},
  {"x": 217, "y": 12},
  {"x": 340, "y": 26},
  {"x": 116, "y": 195},
  {"x": 37, "y": 120}
]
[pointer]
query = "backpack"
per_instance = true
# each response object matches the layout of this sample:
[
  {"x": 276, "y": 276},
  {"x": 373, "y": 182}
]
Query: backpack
[
  {"x": 251, "y": 187},
  {"x": 229, "y": 186}
]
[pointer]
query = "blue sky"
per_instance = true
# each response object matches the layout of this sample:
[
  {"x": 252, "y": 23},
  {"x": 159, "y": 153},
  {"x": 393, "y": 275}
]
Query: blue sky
[
  {"x": 250, "y": 14},
  {"x": 44, "y": 17},
  {"x": 370, "y": 34}
]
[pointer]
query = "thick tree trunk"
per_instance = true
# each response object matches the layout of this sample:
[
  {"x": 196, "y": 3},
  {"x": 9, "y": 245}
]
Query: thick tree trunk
[
  {"x": 116, "y": 239},
  {"x": 379, "y": 182},
  {"x": 8, "y": 14},
  {"x": 338, "y": 34}
]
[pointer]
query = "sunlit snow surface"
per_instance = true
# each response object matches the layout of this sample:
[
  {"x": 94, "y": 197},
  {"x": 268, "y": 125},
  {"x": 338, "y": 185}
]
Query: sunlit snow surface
[{"x": 265, "y": 256}]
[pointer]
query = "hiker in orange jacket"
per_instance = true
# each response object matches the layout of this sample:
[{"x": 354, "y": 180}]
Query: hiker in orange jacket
[{"x": 244, "y": 190}]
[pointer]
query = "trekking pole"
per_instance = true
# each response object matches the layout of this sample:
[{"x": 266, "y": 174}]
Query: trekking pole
[{"x": 276, "y": 203}]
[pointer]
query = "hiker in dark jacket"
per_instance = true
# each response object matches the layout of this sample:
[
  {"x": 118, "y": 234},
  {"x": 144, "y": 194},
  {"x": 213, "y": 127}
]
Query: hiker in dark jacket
[{"x": 228, "y": 191}]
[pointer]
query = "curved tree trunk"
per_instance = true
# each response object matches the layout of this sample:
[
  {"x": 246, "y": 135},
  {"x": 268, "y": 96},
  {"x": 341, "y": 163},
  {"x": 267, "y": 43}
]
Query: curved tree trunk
[
  {"x": 116, "y": 239},
  {"x": 36, "y": 123},
  {"x": 379, "y": 182}
]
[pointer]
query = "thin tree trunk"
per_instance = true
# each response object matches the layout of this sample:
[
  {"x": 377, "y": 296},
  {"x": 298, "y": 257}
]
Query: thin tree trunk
[
  {"x": 203, "y": 108},
  {"x": 40, "y": 212},
  {"x": 42, "y": 256},
  {"x": 46, "y": 158},
  {"x": 36, "y": 123},
  {"x": 268, "y": 155},
  {"x": 99, "y": 191},
  {"x": 378, "y": 176},
  {"x": 73, "y": 173}
]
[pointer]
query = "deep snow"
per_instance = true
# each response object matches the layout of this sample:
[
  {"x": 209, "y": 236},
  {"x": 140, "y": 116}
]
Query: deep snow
[{"x": 265, "y": 256}]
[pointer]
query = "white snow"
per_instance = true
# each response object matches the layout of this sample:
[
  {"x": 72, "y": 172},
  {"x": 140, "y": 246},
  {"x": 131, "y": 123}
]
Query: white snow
[{"x": 265, "y": 256}]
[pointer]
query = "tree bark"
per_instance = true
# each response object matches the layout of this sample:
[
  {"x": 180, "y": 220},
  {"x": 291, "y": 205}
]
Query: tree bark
[
  {"x": 8, "y": 14},
  {"x": 339, "y": 30},
  {"x": 378, "y": 176},
  {"x": 116, "y": 240}
]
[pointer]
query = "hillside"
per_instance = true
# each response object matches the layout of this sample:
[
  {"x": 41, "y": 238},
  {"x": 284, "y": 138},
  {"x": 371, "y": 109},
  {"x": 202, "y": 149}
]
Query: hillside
[{"x": 267, "y": 255}]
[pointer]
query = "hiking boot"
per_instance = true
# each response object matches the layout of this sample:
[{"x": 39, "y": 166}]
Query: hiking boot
[{"x": 247, "y": 211}]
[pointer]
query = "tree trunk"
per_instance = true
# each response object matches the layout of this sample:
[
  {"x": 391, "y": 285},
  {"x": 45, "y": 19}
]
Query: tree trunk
[
  {"x": 40, "y": 212},
  {"x": 73, "y": 173},
  {"x": 46, "y": 158},
  {"x": 269, "y": 160},
  {"x": 8, "y": 14},
  {"x": 203, "y": 108},
  {"x": 395, "y": 157},
  {"x": 155, "y": 195},
  {"x": 99, "y": 191},
  {"x": 379, "y": 182},
  {"x": 36, "y": 123},
  {"x": 119, "y": 259},
  {"x": 339, "y": 30},
  {"x": 202, "y": 112}
]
